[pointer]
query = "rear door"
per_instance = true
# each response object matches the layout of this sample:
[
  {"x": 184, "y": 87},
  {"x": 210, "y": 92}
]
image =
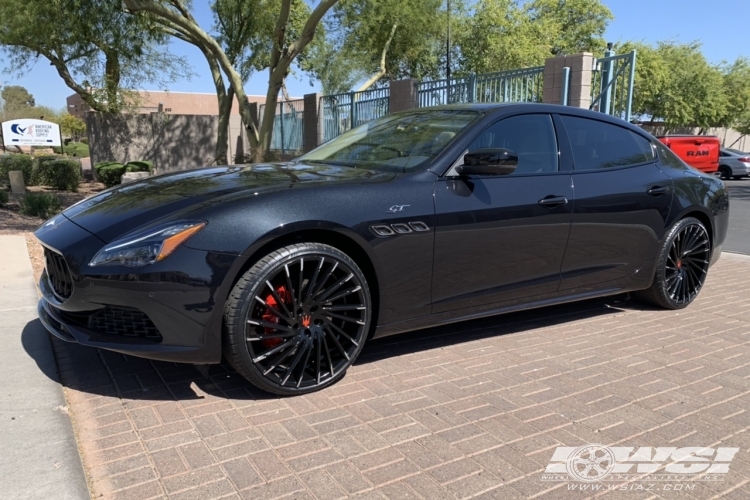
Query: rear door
[
  {"x": 502, "y": 237},
  {"x": 622, "y": 201}
]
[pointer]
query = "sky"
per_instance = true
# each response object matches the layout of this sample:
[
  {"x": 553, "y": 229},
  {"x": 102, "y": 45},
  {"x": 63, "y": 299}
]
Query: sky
[{"x": 721, "y": 27}]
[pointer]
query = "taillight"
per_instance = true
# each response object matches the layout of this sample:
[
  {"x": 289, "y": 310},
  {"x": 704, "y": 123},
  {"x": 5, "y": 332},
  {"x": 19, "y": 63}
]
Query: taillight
[{"x": 745, "y": 159}]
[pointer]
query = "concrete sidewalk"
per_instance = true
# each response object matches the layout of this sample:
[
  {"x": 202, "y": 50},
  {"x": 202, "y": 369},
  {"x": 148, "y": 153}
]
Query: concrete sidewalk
[{"x": 39, "y": 457}]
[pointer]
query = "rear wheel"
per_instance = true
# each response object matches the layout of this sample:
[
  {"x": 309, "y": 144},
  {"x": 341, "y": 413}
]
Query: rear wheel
[
  {"x": 298, "y": 319},
  {"x": 725, "y": 172},
  {"x": 682, "y": 266}
]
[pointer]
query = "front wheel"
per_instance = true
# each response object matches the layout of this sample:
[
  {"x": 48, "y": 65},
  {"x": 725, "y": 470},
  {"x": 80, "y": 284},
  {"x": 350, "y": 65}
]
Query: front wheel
[
  {"x": 682, "y": 266},
  {"x": 297, "y": 319}
]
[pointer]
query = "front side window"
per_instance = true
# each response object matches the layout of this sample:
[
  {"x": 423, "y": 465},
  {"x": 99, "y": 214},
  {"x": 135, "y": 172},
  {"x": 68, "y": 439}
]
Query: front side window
[
  {"x": 403, "y": 142},
  {"x": 531, "y": 137},
  {"x": 600, "y": 145}
]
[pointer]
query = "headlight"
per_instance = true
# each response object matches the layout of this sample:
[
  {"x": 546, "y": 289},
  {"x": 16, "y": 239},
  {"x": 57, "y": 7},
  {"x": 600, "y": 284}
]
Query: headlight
[{"x": 146, "y": 248}]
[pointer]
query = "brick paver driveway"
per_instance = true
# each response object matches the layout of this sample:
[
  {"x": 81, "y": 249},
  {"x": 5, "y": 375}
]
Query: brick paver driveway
[{"x": 470, "y": 410}]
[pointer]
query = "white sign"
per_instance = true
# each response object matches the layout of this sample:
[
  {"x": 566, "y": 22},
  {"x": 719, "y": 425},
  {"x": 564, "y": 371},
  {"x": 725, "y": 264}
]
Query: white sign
[{"x": 28, "y": 132}]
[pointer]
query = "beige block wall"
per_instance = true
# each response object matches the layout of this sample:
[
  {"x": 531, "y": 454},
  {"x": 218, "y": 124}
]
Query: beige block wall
[{"x": 176, "y": 103}]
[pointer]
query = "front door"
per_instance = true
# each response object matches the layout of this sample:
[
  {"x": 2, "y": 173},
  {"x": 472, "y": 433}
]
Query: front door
[{"x": 500, "y": 238}]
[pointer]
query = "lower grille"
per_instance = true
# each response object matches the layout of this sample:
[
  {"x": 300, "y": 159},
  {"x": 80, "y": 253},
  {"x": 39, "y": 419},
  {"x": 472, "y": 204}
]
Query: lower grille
[
  {"x": 124, "y": 322},
  {"x": 58, "y": 274}
]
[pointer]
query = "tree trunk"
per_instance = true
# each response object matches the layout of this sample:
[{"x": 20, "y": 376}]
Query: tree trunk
[
  {"x": 224, "y": 98},
  {"x": 225, "y": 112},
  {"x": 281, "y": 58},
  {"x": 382, "y": 70},
  {"x": 112, "y": 81},
  {"x": 263, "y": 146}
]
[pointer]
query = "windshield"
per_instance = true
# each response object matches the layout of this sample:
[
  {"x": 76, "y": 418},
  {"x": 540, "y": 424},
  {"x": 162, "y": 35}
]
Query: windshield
[{"x": 404, "y": 142}]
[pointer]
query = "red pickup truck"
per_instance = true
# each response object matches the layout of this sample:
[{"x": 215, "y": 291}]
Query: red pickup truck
[{"x": 698, "y": 151}]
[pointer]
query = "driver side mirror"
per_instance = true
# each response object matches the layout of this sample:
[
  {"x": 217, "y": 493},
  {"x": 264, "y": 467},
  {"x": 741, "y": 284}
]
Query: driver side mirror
[{"x": 489, "y": 161}]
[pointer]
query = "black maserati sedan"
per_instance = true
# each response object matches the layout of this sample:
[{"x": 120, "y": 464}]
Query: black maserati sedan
[{"x": 420, "y": 218}]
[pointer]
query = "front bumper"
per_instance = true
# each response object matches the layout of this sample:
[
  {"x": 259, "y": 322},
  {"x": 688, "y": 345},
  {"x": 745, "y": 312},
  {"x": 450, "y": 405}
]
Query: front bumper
[
  {"x": 53, "y": 321},
  {"x": 171, "y": 310}
]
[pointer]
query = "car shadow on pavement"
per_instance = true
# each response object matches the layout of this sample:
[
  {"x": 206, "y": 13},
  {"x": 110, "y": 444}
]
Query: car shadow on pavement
[
  {"x": 105, "y": 373},
  {"x": 465, "y": 331}
]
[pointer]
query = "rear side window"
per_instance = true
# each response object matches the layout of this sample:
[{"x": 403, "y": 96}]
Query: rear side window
[
  {"x": 598, "y": 145},
  {"x": 667, "y": 157}
]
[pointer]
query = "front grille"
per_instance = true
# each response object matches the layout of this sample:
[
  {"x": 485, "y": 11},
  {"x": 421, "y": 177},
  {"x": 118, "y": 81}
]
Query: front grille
[
  {"x": 58, "y": 274},
  {"x": 124, "y": 322}
]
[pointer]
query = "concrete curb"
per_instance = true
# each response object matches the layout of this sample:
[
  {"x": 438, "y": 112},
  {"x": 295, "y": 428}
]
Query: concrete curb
[
  {"x": 40, "y": 457},
  {"x": 735, "y": 255}
]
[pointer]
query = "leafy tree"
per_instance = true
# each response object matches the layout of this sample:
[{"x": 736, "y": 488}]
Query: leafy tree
[
  {"x": 17, "y": 98},
  {"x": 334, "y": 67},
  {"x": 509, "y": 34},
  {"x": 737, "y": 89},
  {"x": 675, "y": 84},
  {"x": 579, "y": 24},
  {"x": 651, "y": 77},
  {"x": 501, "y": 35},
  {"x": 98, "y": 50},
  {"x": 72, "y": 126},
  {"x": 393, "y": 38}
]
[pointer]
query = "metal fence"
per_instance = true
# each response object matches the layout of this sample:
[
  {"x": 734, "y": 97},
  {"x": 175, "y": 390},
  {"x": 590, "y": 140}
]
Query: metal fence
[
  {"x": 438, "y": 92},
  {"x": 612, "y": 84},
  {"x": 342, "y": 112},
  {"x": 518, "y": 85},
  {"x": 288, "y": 125}
]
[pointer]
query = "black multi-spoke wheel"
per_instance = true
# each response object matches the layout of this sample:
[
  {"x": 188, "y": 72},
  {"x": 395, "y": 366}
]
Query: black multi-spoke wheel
[
  {"x": 298, "y": 318},
  {"x": 683, "y": 265}
]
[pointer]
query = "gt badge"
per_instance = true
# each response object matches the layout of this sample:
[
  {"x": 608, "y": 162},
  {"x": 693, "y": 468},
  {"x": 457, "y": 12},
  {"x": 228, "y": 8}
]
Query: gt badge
[{"x": 396, "y": 208}]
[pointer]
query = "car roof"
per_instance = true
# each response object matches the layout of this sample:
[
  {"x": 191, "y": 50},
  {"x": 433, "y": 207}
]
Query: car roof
[{"x": 528, "y": 107}]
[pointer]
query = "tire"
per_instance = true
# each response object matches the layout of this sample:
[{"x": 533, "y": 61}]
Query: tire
[
  {"x": 289, "y": 339},
  {"x": 725, "y": 172},
  {"x": 682, "y": 266}
]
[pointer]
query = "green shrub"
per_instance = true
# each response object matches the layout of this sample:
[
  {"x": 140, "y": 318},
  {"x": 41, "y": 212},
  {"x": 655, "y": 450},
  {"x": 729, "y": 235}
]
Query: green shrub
[
  {"x": 43, "y": 205},
  {"x": 9, "y": 163},
  {"x": 4, "y": 196},
  {"x": 110, "y": 173},
  {"x": 77, "y": 149},
  {"x": 58, "y": 173},
  {"x": 139, "y": 166},
  {"x": 85, "y": 140},
  {"x": 39, "y": 162}
]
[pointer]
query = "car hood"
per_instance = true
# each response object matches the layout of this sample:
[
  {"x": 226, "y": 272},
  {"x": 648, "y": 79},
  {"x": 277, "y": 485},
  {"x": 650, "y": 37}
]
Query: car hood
[{"x": 117, "y": 211}]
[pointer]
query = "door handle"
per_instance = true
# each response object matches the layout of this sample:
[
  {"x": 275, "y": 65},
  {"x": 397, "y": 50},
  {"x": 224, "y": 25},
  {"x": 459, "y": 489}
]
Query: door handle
[
  {"x": 658, "y": 191},
  {"x": 553, "y": 201}
]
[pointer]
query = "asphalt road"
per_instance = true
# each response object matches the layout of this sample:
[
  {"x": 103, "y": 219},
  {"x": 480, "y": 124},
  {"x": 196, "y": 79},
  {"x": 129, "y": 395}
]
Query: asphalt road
[{"x": 738, "y": 238}]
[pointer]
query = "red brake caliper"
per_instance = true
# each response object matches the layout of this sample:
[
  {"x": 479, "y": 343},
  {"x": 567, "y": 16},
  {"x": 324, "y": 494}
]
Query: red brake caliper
[{"x": 270, "y": 317}]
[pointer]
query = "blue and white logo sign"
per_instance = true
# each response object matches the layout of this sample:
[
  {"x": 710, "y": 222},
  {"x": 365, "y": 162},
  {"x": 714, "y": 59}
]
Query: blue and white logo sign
[{"x": 29, "y": 132}]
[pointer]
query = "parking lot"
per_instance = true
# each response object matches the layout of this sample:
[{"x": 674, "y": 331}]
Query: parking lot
[
  {"x": 738, "y": 238},
  {"x": 474, "y": 410}
]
